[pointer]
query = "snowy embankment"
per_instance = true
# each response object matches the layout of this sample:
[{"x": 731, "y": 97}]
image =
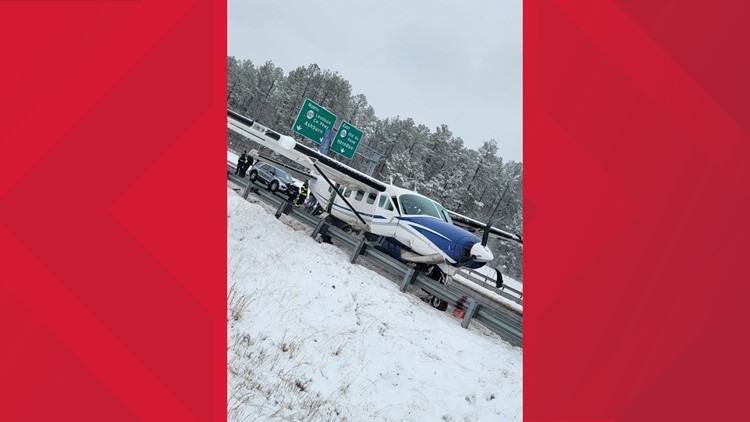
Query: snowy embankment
[{"x": 313, "y": 337}]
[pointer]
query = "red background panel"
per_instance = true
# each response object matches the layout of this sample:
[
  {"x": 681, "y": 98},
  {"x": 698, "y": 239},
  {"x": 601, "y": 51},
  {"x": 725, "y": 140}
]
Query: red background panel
[
  {"x": 637, "y": 148},
  {"x": 112, "y": 210},
  {"x": 112, "y": 201}
]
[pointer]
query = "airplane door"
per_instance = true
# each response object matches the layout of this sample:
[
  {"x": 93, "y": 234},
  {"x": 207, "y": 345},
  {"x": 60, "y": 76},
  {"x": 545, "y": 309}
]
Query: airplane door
[{"x": 385, "y": 222}]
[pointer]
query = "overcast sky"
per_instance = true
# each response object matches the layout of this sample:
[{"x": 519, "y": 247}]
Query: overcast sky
[{"x": 436, "y": 61}]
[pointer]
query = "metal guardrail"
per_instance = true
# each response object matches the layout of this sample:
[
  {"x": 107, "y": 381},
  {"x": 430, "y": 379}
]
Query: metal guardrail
[
  {"x": 501, "y": 320},
  {"x": 489, "y": 283}
]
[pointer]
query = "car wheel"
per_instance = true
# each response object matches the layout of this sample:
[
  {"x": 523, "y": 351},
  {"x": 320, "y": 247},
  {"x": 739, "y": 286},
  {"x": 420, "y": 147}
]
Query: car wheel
[
  {"x": 253, "y": 175},
  {"x": 274, "y": 186}
]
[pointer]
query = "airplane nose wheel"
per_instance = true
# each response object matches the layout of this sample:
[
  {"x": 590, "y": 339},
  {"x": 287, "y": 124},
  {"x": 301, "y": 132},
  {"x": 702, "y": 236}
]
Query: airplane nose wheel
[
  {"x": 437, "y": 275},
  {"x": 438, "y": 303}
]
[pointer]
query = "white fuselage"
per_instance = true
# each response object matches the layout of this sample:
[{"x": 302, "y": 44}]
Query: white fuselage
[{"x": 385, "y": 214}]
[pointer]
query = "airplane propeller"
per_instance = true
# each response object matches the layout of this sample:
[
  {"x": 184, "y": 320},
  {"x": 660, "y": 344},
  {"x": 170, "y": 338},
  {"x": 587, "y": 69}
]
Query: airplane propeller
[
  {"x": 479, "y": 250},
  {"x": 486, "y": 235}
]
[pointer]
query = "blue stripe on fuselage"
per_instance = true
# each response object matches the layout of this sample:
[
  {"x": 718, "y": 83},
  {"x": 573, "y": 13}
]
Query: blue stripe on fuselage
[{"x": 450, "y": 239}]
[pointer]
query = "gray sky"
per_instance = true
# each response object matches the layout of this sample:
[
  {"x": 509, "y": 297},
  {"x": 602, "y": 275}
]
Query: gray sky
[{"x": 436, "y": 61}]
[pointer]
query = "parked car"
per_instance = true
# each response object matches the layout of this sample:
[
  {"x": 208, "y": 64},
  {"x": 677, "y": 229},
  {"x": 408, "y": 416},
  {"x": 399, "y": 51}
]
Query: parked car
[{"x": 276, "y": 179}]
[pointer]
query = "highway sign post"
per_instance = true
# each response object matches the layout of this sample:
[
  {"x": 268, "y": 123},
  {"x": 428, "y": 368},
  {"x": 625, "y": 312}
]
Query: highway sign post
[
  {"x": 346, "y": 141},
  {"x": 313, "y": 121}
]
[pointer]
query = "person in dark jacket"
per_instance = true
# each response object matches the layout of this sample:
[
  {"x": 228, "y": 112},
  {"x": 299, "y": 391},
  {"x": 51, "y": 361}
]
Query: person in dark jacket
[
  {"x": 302, "y": 195},
  {"x": 498, "y": 279},
  {"x": 240, "y": 163},
  {"x": 248, "y": 161}
]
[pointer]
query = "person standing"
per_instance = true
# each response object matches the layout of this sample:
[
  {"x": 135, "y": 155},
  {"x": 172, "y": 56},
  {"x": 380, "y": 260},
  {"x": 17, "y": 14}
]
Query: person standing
[
  {"x": 240, "y": 163},
  {"x": 498, "y": 279},
  {"x": 302, "y": 195},
  {"x": 246, "y": 162}
]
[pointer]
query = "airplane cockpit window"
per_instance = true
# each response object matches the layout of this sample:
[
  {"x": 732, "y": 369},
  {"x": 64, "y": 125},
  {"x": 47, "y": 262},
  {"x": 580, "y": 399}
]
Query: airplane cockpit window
[
  {"x": 446, "y": 217},
  {"x": 443, "y": 213},
  {"x": 418, "y": 205}
]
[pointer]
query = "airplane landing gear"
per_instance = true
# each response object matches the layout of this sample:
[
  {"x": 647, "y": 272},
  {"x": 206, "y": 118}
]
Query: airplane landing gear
[{"x": 434, "y": 273}]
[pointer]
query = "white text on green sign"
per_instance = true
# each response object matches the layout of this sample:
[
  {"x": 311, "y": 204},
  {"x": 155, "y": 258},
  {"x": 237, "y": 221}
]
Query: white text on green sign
[
  {"x": 347, "y": 140},
  {"x": 313, "y": 121}
]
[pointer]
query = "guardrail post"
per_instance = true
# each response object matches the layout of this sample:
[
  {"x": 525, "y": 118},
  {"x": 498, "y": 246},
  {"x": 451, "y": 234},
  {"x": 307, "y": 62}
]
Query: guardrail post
[
  {"x": 284, "y": 208},
  {"x": 358, "y": 250},
  {"x": 321, "y": 228},
  {"x": 408, "y": 279},
  {"x": 470, "y": 311},
  {"x": 248, "y": 189}
]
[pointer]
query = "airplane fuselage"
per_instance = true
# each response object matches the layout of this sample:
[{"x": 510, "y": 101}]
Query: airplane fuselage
[{"x": 421, "y": 227}]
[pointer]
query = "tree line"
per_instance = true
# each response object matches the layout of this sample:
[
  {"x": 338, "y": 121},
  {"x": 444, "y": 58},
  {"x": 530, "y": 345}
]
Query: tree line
[{"x": 477, "y": 183}]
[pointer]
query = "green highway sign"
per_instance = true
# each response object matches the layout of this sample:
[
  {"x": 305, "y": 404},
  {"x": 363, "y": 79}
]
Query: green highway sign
[
  {"x": 313, "y": 121},
  {"x": 346, "y": 140}
]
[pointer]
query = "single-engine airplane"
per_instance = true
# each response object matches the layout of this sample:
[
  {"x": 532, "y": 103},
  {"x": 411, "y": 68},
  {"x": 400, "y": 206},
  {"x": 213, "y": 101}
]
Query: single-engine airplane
[{"x": 406, "y": 225}]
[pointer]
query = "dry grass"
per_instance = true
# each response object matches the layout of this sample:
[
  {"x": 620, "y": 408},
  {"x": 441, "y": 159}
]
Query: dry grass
[
  {"x": 268, "y": 381},
  {"x": 237, "y": 303}
]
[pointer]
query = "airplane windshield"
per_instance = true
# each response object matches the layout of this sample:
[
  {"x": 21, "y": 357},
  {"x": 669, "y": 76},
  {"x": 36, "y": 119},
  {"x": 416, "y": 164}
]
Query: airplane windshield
[
  {"x": 417, "y": 205},
  {"x": 443, "y": 213}
]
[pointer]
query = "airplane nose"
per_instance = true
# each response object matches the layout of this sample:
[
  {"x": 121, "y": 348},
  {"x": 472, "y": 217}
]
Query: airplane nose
[{"x": 481, "y": 253}]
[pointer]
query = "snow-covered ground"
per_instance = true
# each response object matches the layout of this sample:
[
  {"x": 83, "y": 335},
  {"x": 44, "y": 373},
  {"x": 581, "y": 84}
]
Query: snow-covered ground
[{"x": 312, "y": 337}]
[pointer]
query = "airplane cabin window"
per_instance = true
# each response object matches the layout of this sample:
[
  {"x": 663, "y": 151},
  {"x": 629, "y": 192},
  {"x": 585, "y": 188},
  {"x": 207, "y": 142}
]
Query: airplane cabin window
[
  {"x": 385, "y": 203},
  {"x": 371, "y": 198},
  {"x": 347, "y": 192},
  {"x": 360, "y": 194}
]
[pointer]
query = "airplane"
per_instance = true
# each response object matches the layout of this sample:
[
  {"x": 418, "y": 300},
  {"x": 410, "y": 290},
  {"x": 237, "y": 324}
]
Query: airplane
[{"x": 403, "y": 223}]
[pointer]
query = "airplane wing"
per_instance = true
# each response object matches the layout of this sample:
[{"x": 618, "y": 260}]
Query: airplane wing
[
  {"x": 308, "y": 157},
  {"x": 477, "y": 226}
]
